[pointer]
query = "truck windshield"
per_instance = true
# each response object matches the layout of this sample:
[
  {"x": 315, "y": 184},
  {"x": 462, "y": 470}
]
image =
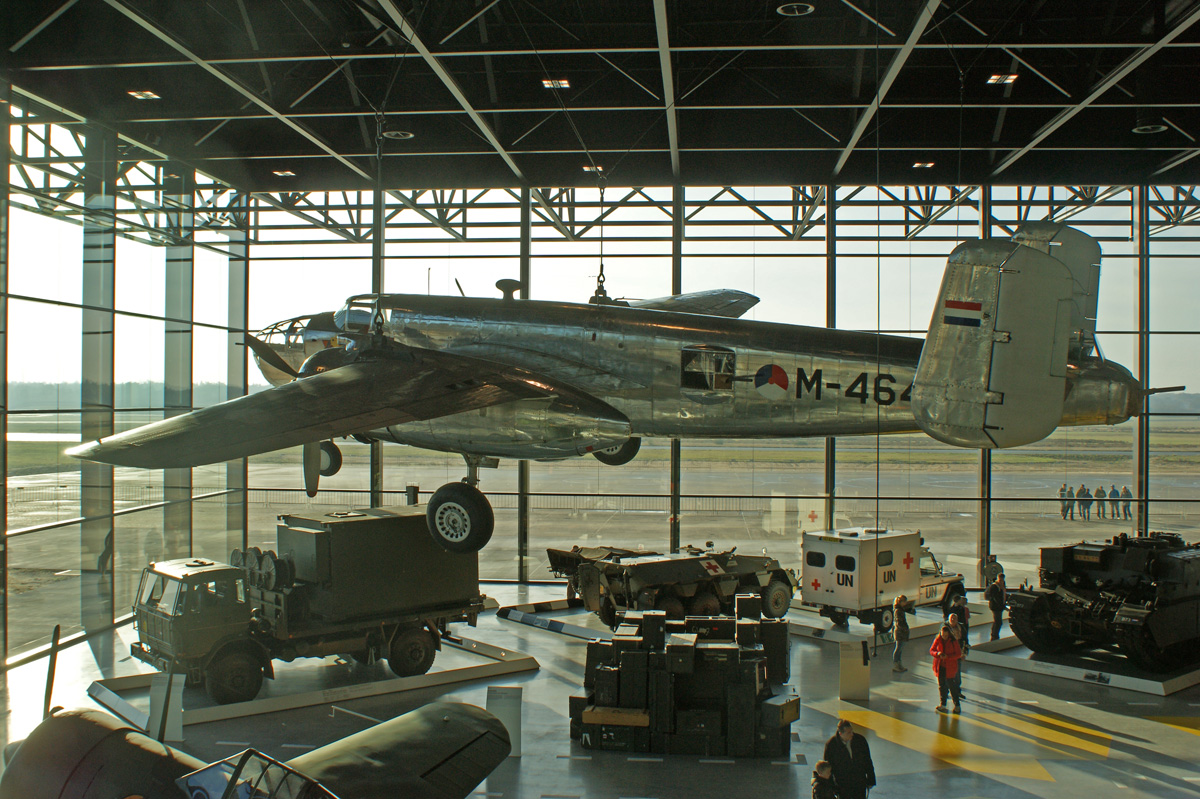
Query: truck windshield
[{"x": 161, "y": 593}]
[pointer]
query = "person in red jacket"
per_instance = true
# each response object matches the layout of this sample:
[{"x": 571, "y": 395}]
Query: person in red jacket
[{"x": 946, "y": 653}]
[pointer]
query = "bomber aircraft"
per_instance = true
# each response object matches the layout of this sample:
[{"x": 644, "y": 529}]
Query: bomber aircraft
[{"x": 1010, "y": 355}]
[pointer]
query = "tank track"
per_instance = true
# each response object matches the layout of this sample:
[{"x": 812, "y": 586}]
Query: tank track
[{"x": 1039, "y": 637}]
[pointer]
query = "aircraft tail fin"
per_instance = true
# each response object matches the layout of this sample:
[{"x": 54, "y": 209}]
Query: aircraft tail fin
[
  {"x": 992, "y": 372},
  {"x": 1080, "y": 254}
]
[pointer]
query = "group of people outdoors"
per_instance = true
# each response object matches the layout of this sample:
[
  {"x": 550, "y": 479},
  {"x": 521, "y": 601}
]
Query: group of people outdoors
[
  {"x": 1119, "y": 502},
  {"x": 846, "y": 771}
]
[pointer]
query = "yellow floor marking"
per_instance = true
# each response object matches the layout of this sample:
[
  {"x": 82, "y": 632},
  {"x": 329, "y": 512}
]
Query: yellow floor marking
[
  {"x": 963, "y": 754},
  {"x": 987, "y": 725},
  {"x": 1048, "y": 733},
  {"x": 1186, "y": 723}
]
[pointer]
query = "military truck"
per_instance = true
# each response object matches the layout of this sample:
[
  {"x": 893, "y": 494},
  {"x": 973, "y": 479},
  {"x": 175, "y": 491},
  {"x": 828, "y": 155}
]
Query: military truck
[
  {"x": 365, "y": 584},
  {"x": 838, "y": 578},
  {"x": 1139, "y": 594},
  {"x": 694, "y": 581}
]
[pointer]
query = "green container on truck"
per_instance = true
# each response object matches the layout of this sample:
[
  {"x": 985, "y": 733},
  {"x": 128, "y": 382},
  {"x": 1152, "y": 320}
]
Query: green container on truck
[{"x": 368, "y": 585}]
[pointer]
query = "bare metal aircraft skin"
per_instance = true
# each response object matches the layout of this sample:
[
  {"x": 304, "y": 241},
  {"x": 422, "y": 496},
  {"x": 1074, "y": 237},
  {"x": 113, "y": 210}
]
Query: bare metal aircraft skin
[{"x": 1009, "y": 356}]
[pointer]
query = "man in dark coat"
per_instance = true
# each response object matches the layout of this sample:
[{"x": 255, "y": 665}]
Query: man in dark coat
[
  {"x": 997, "y": 598},
  {"x": 850, "y": 757}
]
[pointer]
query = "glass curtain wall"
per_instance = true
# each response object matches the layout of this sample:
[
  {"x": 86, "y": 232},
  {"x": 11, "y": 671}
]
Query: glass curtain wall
[{"x": 193, "y": 264}]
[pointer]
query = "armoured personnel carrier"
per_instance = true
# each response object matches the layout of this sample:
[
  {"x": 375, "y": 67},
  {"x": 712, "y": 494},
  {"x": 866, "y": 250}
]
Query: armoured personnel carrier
[
  {"x": 1140, "y": 594},
  {"x": 694, "y": 581}
]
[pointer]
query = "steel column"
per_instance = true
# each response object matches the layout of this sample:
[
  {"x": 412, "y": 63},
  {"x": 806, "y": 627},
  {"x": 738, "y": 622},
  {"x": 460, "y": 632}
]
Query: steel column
[
  {"x": 677, "y": 223},
  {"x": 984, "y": 544},
  {"x": 179, "y": 200},
  {"x": 830, "y": 486},
  {"x": 5, "y": 155},
  {"x": 523, "y": 466},
  {"x": 378, "y": 232},
  {"x": 96, "y": 533},
  {"x": 236, "y": 472},
  {"x": 1141, "y": 453}
]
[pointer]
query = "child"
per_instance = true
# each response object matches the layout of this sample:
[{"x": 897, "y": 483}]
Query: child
[{"x": 822, "y": 781}]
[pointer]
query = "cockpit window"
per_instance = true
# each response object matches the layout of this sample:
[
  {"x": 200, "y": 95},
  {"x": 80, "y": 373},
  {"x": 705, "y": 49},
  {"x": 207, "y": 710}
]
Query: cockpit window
[
  {"x": 353, "y": 320},
  {"x": 707, "y": 367}
]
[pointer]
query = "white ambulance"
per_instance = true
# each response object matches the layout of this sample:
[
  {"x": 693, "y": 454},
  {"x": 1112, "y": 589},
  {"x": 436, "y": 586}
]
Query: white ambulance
[{"x": 859, "y": 571}]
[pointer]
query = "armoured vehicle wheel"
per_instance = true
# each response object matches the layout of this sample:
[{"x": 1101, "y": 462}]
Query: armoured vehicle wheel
[
  {"x": 776, "y": 599},
  {"x": 619, "y": 456},
  {"x": 884, "y": 621},
  {"x": 460, "y": 518},
  {"x": 705, "y": 603},
  {"x": 607, "y": 613},
  {"x": 412, "y": 652},
  {"x": 838, "y": 618},
  {"x": 670, "y": 605},
  {"x": 331, "y": 459},
  {"x": 233, "y": 676}
]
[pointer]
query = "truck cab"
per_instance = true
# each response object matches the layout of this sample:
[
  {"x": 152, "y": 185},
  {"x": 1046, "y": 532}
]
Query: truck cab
[{"x": 185, "y": 610}]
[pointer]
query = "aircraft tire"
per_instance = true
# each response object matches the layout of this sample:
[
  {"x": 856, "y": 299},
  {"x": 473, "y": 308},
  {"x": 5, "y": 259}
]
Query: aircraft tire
[
  {"x": 235, "y": 675},
  {"x": 619, "y": 456},
  {"x": 331, "y": 459},
  {"x": 412, "y": 652},
  {"x": 460, "y": 518},
  {"x": 776, "y": 599}
]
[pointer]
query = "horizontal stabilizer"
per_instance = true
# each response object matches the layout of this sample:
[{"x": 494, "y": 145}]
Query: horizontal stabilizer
[
  {"x": 729, "y": 303},
  {"x": 993, "y": 369},
  {"x": 401, "y": 384}
]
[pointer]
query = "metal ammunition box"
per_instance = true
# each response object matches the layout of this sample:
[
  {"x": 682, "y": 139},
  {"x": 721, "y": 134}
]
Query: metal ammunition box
[
  {"x": 780, "y": 710},
  {"x": 748, "y": 606}
]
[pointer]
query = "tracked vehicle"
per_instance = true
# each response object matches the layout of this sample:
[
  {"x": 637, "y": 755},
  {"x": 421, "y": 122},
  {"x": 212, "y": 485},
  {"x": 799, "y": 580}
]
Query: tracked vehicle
[
  {"x": 1139, "y": 595},
  {"x": 694, "y": 581}
]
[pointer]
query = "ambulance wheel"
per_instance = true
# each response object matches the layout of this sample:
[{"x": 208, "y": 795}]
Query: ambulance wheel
[
  {"x": 776, "y": 599},
  {"x": 883, "y": 622},
  {"x": 460, "y": 518},
  {"x": 838, "y": 618}
]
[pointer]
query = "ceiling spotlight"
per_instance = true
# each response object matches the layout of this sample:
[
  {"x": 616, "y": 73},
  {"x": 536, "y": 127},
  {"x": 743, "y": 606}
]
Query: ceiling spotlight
[
  {"x": 1149, "y": 123},
  {"x": 556, "y": 83},
  {"x": 923, "y": 165},
  {"x": 1002, "y": 79},
  {"x": 591, "y": 168},
  {"x": 143, "y": 94},
  {"x": 283, "y": 173},
  {"x": 395, "y": 134},
  {"x": 794, "y": 9}
]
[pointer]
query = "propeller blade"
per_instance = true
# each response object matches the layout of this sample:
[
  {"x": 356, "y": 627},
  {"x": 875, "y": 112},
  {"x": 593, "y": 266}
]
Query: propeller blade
[
  {"x": 312, "y": 467},
  {"x": 460, "y": 289},
  {"x": 267, "y": 353}
]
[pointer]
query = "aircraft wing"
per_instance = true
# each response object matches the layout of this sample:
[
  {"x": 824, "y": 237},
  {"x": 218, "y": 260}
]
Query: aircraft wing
[
  {"x": 729, "y": 303},
  {"x": 400, "y": 385}
]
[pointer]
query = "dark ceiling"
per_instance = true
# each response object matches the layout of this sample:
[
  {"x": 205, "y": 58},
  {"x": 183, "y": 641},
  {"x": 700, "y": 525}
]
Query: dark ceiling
[{"x": 700, "y": 92}]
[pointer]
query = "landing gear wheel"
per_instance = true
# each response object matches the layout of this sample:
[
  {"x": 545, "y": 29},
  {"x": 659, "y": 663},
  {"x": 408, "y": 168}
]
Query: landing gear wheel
[
  {"x": 776, "y": 599},
  {"x": 607, "y": 613},
  {"x": 460, "y": 518},
  {"x": 705, "y": 604},
  {"x": 412, "y": 652},
  {"x": 331, "y": 459},
  {"x": 884, "y": 621},
  {"x": 619, "y": 456},
  {"x": 670, "y": 605},
  {"x": 838, "y": 618},
  {"x": 234, "y": 676}
]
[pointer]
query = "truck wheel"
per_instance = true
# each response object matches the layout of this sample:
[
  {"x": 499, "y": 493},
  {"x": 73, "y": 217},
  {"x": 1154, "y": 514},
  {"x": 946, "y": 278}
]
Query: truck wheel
[
  {"x": 412, "y": 652},
  {"x": 776, "y": 599},
  {"x": 460, "y": 518},
  {"x": 234, "y": 676},
  {"x": 838, "y": 618}
]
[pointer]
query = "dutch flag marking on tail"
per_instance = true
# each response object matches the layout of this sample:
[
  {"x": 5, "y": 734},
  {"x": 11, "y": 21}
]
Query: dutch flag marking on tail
[{"x": 967, "y": 314}]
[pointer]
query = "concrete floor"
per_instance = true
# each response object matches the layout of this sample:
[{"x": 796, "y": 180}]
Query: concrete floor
[{"x": 1020, "y": 735}]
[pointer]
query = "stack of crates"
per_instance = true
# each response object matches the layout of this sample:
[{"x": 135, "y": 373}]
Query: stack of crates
[{"x": 701, "y": 686}]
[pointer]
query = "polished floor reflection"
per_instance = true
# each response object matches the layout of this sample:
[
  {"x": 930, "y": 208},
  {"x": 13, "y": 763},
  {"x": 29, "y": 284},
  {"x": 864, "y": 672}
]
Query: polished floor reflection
[{"x": 1019, "y": 735}]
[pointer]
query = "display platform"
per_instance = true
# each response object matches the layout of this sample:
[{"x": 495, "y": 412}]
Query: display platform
[
  {"x": 806, "y": 622},
  {"x": 463, "y": 659},
  {"x": 1099, "y": 667},
  {"x": 537, "y": 614}
]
